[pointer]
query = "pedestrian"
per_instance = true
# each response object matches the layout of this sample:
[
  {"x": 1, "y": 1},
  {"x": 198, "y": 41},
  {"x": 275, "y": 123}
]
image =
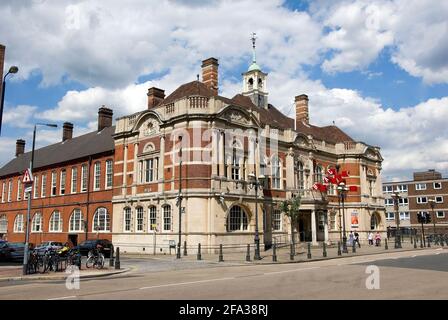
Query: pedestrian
[
  {"x": 357, "y": 239},
  {"x": 370, "y": 238},
  {"x": 377, "y": 239},
  {"x": 350, "y": 238}
]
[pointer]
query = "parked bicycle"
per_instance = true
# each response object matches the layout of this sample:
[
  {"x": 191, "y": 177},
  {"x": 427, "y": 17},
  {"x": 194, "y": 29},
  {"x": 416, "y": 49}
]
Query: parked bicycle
[{"x": 95, "y": 258}]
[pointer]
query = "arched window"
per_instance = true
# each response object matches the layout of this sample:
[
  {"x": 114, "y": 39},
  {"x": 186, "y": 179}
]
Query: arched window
[
  {"x": 374, "y": 221},
  {"x": 152, "y": 218},
  {"x": 276, "y": 173},
  {"x": 318, "y": 174},
  {"x": 127, "y": 219},
  {"x": 251, "y": 83},
  {"x": 18, "y": 223},
  {"x": 37, "y": 223},
  {"x": 3, "y": 224},
  {"x": 76, "y": 221},
  {"x": 237, "y": 219},
  {"x": 276, "y": 220},
  {"x": 300, "y": 178},
  {"x": 167, "y": 218},
  {"x": 101, "y": 221},
  {"x": 56, "y": 222},
  {"x": 139, "y": 217}
]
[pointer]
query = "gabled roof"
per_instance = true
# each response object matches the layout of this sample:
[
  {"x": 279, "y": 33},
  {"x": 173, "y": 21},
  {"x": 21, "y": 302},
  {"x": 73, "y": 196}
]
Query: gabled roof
[
  {"x": 189, "y": 89},
  {"x": 79, "y": 147},
  {"x": 329, "y": 133}
]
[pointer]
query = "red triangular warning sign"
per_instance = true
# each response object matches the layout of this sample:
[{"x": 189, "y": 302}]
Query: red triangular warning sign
[{"x": 27, "y": 177}]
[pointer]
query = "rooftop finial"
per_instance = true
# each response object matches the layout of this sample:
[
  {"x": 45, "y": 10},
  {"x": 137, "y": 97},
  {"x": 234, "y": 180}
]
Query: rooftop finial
[{"x": 254, "y": 38}]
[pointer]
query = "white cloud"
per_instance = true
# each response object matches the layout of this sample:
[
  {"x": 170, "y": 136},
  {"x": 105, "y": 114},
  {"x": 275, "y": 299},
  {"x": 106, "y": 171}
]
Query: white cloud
[{"x": 19, "y": 117}]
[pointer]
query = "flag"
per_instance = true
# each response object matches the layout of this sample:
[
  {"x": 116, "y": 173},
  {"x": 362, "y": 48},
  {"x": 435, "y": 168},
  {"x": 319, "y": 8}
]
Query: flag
[
  {"x": 316, "y": 186},
  {"x": 326, "y": 180},
  {"x": 331, "y": 171},
  {"x": 353, "y": 188},
  {"x": 344, "y": 174}
]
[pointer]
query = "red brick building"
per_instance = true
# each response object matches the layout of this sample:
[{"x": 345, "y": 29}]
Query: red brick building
[{"x": 72, "y": 190}]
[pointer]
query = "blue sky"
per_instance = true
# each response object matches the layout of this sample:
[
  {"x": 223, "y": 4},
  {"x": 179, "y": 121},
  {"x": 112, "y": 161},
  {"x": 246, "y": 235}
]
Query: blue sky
[{"x": 361, "y": 63}]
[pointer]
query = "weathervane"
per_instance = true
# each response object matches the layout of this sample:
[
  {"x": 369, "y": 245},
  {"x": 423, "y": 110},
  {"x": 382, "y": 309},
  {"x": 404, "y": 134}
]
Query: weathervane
[{"x": 254, "y": 38}]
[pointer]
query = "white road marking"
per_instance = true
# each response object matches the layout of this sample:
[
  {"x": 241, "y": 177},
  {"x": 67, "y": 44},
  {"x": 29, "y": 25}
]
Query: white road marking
[
  {"x": 62, "y": 298},
  {"x": 294, "y": 270},
  {"x": 437, "y": 253},
  {"x": 184, "y": 283},
  {"x": 414, "y": 256}
]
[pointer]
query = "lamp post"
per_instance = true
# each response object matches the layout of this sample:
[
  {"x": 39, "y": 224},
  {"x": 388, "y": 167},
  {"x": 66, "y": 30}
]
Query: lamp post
[
  {"x": 179, "y": 199},
  {"x": 11, "y": 70},
  {"x": 396, "y": 197},
  {"x": 432, "y": 203},
  {"x": 342, "y": 190},
  {"x": 27, "y": 234},
  {"x": 256, "y": 183}
]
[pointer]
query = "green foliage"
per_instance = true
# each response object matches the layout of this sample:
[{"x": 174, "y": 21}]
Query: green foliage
[{"x": 291, "y": 207}]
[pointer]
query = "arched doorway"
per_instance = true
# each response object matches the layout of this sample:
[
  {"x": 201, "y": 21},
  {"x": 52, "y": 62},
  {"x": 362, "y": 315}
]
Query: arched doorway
[{"x": 375, "y": 221}]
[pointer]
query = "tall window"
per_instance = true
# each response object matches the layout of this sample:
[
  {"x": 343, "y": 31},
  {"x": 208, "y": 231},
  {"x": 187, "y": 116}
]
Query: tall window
[
  {"x": 139, "y": 217},
  {"x": 152, "y": 218},
  {"x": 74, "y": 184},
  {"x": 420, "y": 186},
  {"x": 101, "y": 221},
  {"x": 127, "y": 219},
  {"x": 237, "y": 219},
  {"x": 235, "y": 165},
  {"x": 18, "y": 223},
  {"x": 62, "y": 182},
  {"x": 3, "y": 223},
  {"x": 36, "y": 187},
  {"x": 276, "y": 173},
  {"x": 148, "y": 169},
  {"x": 276, "y": 220},
  {"x": 19, "y": 190},
  {"x": 167, "y": 218},
  {"x": 76, "y": 221},
  {"x": 84, "y": 178},
  {"x": 54, "y": 177},
  {"x": 109, "y": 174},
  {"x": 43, "y": 187},
  {"x": 3, "y": 191},
  {"x": 56, "y": 222},
  {"x": 333, "y": 220},
  {"x": 37, "y": 223},
  {"x": 318, "y": 174},
  {"x": 300, "y": 178},
  {"x": 374, "y": 221},
  {"x": 9, "y": 190},
  {"x": 97, "y": 176}
]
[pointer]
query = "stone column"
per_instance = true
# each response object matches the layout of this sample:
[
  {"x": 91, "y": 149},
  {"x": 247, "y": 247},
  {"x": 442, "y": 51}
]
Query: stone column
[
  {"x": 161, "y": 178},
  {"x": 125, "y": 169},
  {"x": 313, "y": 227},
  {"x": 221, "y": 152},
  {"x": 215, "y": 152},
  {"x": 135, "y": 175},
  {"x": 290, "y": 169}
]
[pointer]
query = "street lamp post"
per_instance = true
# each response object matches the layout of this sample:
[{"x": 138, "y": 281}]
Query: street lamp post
[
  {"x": 342, "y": 189},
  {"x": 11, "y": 70},
  {"x": 256, "y": 183},
  {"x": 179, "y": 200},
  {"x": 396, "y": 197},
  {"x": 27, "y": 234},
  {"x": 432, "y": 203}
]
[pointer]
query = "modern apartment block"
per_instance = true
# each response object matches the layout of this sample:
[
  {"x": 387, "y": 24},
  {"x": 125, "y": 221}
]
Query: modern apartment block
[{"x": 416, "y": 197}]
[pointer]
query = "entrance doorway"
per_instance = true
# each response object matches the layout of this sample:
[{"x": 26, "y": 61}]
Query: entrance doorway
[{"x": 73, "y": 239}]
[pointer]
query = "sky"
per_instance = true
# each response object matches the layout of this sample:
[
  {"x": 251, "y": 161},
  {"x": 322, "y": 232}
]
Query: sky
[{"x": 378, "y": 69}]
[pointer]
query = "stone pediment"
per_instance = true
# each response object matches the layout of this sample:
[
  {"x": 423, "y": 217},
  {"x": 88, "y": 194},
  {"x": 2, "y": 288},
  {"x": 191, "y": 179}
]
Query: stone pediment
[
  {"x": 149, "y": 127},
  {"x": 235, "y": 116}
]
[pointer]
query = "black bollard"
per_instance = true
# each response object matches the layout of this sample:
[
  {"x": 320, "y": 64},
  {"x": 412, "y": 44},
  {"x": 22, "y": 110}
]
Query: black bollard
[
  {"x": 415, "y": 243},
  {"x": 309, "y": 251},
  {"x": 386, "y": 247},
  {"x": 441, "y": 241},
  {"x": 421, "y": 241},
  {"x": 117, "y": 259},
  {"x": 436, "y": 240},
  {"x": 274, "y": 252},
  {"x": 429, "y": 242},
  {"x": 324, "y": 249},
  {"x": 199, "y": 256},
  {"x": 291, "y": 252},
  {"x": 111, "y": 256},
  {"x": 221, "y": 258},
  {"x": 411, "y": 238},
  {"x": 185, "y": 248},
  {"x": 354, "y": 247},
  {"x": 248, "y": 253},
  {"x": 339, "y": 248}
]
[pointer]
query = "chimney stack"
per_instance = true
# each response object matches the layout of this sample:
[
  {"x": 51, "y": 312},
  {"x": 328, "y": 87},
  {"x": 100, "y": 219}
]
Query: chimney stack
[
  {"x": 67, "y": 131},
  {"x": 210, "y": 74},
  {"x": 104, "y": 118},
  {"x": 155, "y": 96},
  {"x": 302, "y": 114},
  {"x": 20, "y": 147}
]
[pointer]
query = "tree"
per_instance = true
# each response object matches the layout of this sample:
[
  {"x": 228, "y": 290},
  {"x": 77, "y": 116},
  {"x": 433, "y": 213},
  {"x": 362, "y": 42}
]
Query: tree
[{"x": 291, "y": 208}]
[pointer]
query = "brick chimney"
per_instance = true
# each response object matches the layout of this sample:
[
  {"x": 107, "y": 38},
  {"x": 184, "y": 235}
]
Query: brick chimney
[
  {"x": 155, "y": 96},
  {"x": 302, "y": 114},
  {"x": 67, "y": 131},
  {"x": 210, "y": 74},
  {"x": 104, "y": 118},
  {"x": 20, "y": 147}
]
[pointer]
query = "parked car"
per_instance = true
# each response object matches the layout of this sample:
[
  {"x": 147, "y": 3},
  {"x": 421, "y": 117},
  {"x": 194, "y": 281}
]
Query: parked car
[
  {"x": 49, "y": 245},
  {"x": 13, "y": 251},
  {"x": 85, "y": 246}
]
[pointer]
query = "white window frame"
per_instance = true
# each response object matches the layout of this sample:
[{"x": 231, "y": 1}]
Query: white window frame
[
  {"x": 420, "y": 200},
  {"x": 55, "y": 225},
  {"x": 300, "y": 176},
  {"x": 74, "y": 178},
  {"x": 167, "y": 218},
  {"x": 388, "y": 202},
  {"x": 3, "y": 192},
  {"x": 36, "y": 187},
  {"x": 420, "y": 186},
  {"x": 390, "y": 216},
  {"x": 139, "y": 219},
  {"x": 54, "y": 183},
  {"x": 241, "y": 221},
  {"x": 62, "y": 182},
  {"x": 96, "y": 220},
  {"x": 276, "y": 167},
  {"x": 402, "y": 188},
  {"x": 152, "y": 216},
  {"x": 442, "y": 216},
  {"x": 76, "y": 221},
  {"x": 19, "y": 190},
  {"x": 109, "y": 174},
  {"x": 97, "y": 176},
  {"x": 440, "y": 198},
  {"x": 9, "y": 190},
  {"x": 277, "y": 220},
  {"x": 3, "y": 223},
  {"x": 84, "y": 178},
  {"x": 18, "y": 223},
  {"x": 34, "y": 223},
  {"x": 388, "y": 189},
  {"x": 403, "y": 201},
  {"x": 149, "y": 168},
  {"x": 434, "y": 185},
  {"x": 404, "y": 215},
  {"x": 43, "y": 186},
  {"x": 127, "y": 218}
]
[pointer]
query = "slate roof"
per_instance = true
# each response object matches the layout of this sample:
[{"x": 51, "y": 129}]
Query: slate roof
[{"x": 76, "y": 148}]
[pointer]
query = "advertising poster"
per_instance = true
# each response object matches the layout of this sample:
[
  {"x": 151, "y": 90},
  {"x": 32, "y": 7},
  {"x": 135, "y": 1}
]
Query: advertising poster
[{"x": 354, "y": 219}]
